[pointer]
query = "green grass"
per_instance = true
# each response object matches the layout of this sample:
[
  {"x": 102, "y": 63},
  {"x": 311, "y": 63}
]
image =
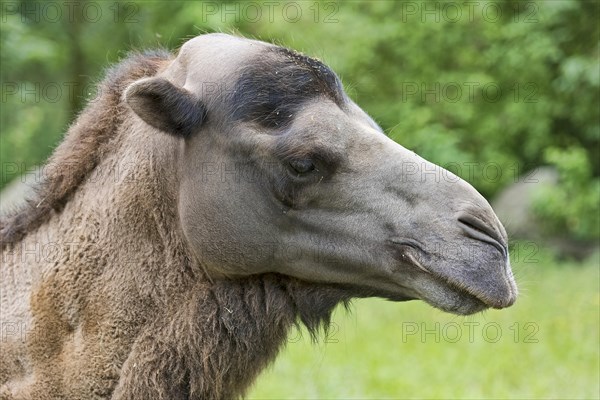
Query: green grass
[{"x": 370, "y": 353}]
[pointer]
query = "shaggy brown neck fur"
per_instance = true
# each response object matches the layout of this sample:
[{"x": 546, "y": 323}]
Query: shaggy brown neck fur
[
  {"x": 128, "y": 314},
  {"x": 238, "y": 330}
]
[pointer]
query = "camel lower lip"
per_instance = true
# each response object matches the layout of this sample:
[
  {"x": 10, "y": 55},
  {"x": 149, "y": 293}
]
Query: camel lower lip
[
  {"x": 463, "y": 290},
  {"x": 468, "y": 293}
]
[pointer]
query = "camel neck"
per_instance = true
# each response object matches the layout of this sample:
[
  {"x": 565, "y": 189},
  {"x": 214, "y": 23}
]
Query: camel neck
[
  {"x": 180, "y": 334},
  {"x": 222, "y": 336}
]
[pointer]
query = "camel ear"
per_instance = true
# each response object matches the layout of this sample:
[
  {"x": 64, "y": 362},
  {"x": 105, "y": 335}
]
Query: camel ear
[{"x": 165, "y": 106}]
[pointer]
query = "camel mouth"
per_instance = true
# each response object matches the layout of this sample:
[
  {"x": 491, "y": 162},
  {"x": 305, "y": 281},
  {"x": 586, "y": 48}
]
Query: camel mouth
[
  {"x": 471, "y": 298},
  {"x": 458, "y": 298},
  {"x": 461, "y": 294}
]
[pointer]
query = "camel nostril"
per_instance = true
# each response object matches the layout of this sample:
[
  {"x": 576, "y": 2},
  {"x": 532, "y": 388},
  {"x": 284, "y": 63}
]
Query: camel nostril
[{"x": 479, "y": 230}]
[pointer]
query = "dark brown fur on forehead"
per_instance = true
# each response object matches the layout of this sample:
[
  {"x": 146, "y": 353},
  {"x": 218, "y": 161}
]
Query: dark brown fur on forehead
[
  {"x": 273, "y": 86},
  {"x": 82, "y": 148}
]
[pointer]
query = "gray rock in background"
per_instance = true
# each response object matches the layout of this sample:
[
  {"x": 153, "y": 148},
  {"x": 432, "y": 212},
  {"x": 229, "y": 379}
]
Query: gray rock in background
[
  {"x": 15, "y": 193},
  {"x": 514, "y": 204},
  {"x": 514, "y": 207}
]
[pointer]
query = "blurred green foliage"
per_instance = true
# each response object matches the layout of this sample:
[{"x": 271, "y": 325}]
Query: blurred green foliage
[
  {"x": 489, "y": 90},
  {"x": 568, "y": 206}
]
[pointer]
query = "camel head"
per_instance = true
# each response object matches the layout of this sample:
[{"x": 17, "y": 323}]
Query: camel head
[{"x": 278, "y": 171}]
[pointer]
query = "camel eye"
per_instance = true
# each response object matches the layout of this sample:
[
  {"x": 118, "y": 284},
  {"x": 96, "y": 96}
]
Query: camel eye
[{"x": 302, "y": 166}]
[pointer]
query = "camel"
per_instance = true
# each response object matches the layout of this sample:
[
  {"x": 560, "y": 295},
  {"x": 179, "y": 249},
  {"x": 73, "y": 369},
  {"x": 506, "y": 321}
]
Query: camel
[{"x": 206, "y": 202}]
